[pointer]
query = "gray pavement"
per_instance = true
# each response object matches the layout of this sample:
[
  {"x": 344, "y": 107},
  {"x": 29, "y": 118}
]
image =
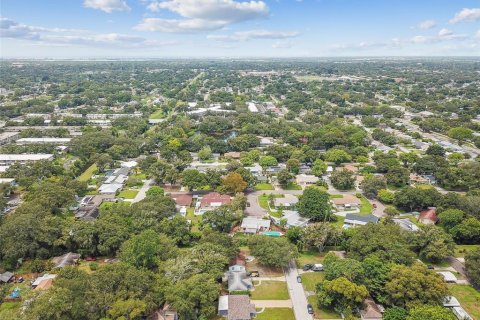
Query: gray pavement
[
  {"x": 142, "y": 193},
  {"x": 297, "y": 293}
]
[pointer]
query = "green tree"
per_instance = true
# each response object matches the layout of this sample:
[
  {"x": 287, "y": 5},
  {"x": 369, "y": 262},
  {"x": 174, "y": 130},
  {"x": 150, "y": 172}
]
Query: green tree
[
  {"x": 460, "y": 133},
  {"x": 340, "y": 294},
  {"x": 472, "y": 267},
  {"x": 155, "y": 191},
  {"x": 386, "y": 196},
  {"x": 409, "y": 285},
  {"x": 342, "y": 179},
  {"x": 398, "y": 176},
  {"x": 450, "y": 218},
  {"x": 319, "y": 168},
  {"x": 293, "y": 165},
  {"x": 315, "y": 204},
  {"x": 395, "y": 313},
  {"x": 268, "y": 161},
  {"x": 272, "y": 252},
  {"x": 433, "y": 243},
  {"x": 222, "y": 219},
  {"x": 284, "y": 178},
  {"x": 144, "y": 249},
  {"x": 337, "y": 156},
  {"x": 428, "y": 312},
  {"x": 130, "y": 309},
  {"x": 468, "y": 231},
  {"x": 435, "y": 150},
  {"x": 193, "y": 179},
  {"x": 316, "y": 235},
  {"x": 205, "y": 153},
  {"x": 375, "y": 276},
  {"x": 371, "y": 185}
]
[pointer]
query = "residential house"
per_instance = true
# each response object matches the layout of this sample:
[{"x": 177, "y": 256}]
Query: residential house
[
  {"x": 165, "y": 313},
  {"x": 406, "y": 224},
  {"x": 417, "y": 179},
  {"x": 236, "y": 307},
  {"x": 461, "y": 314},
  {"x": 346, "y": 203},
  {"x": 238, "y": 279},
  {"x": 182, "y": 201},
  {"x": 8, "y": 159},
  {"x": 211, "y": 201},
  {"x": 353, "y": 220},
  {"x": 348, "y": 167},
  {"x": 288, "y": 201},
  {"x": 450, "y": 302},
  {"x": 254, "y": 225},
  {"x": 266, "y": 141},
  {"x": 448, "y": 276},
  {"x": 89, "y": 206},
  {"x": 6, "y": 277},
  {"x": 292, "y": 219},
  {"x": 428, "y": 216},
  {"x": 232, "y": 155},
  {"x": 110, "y": 188},
  {"x": 47, "y": 140},
  {"x": 305, "y": 180},
  {"x": 371, "y": 310}
]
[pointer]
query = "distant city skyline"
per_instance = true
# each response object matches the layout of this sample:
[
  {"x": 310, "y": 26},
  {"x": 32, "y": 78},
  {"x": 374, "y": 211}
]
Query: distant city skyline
[{"x": 240, "y": 29}]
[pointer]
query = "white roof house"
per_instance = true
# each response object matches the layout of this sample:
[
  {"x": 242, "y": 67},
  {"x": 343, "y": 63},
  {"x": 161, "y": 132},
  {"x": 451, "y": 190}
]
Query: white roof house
[
  {"x": 129, "y": 164},
  {"x": 448, "y": 276},
  {"x": 461, "y": 314},
  {"x": 450, "y": 302},
  {"x": 110, "y": 188},
  {"x": 255, "y": 225},
  {"x": 306, "y": 179},
  {"x": 252, "y": 107},
  {"x": 46, "y": 276},
  {"x": 6, "y": 159},
  {"x": 406, "y": 224},
  {"x": 292, "y": 218},
  {"x": 47, "y": 140},
  {"x": 288, "y": 200}
]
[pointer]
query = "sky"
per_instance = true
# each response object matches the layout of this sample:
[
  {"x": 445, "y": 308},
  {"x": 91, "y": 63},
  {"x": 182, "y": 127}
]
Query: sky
[{"x": 238, "y": 28}]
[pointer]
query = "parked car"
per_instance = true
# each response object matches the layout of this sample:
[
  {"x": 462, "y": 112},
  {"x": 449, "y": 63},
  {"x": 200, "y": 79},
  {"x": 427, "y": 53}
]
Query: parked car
[
  {"x": 430, "y": 267},
  {"x": 90, "y": 259},
  {"x": 307, "y": 266},
  {"x": 317, "y": 267},
  {"x": 299, "y": 279},
  {"x": 309, "y": 308},
  {"x": 254, "y": 274}
]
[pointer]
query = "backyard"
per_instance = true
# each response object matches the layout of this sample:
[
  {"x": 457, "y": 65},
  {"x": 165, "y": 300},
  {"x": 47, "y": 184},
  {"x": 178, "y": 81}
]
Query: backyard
[
  {"x": 468, "y": 297},
  {"x": 128, "y": 194},
  {"x": 263, "y": 186},
  {"x": 87, "y": 174}
]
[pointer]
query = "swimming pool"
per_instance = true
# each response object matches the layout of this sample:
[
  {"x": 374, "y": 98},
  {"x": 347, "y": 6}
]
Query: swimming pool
[{"x": 272, "y": 233}]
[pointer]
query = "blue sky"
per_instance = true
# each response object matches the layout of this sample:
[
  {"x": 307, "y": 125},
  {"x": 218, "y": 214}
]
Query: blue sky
[{"x": 238, "y": 28}]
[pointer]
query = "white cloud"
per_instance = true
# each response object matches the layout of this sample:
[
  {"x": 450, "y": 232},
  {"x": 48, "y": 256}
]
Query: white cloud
[
  {"x": 477, "y": 35},
  {"x": 443, "y": 35},
  {"x": 254, "y": 34},
  {"x": 282, "y": 45},
  {"x": 467, "y": 14},
  {"x": 202, "y": 15},
  {"x": 427, "y": 24},
  {"x": 57, "y": 36},
  {"x": 107, "y": 5}
]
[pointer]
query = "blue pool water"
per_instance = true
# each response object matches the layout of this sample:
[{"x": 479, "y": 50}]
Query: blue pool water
[{"x": 272, "y": 233}]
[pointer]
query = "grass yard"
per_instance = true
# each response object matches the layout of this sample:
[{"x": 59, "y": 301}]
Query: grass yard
[
  {"x": 292, "y": 186},
  {"x": 462, "y": 250},
  {"x": 157, "y": 114},
  {"x": 309, "y": 257},
  {"x": 263, "y": 186},
  {"x": 339, "y": 222},
  {"x": 87, "y": 174},
  {"x": 366, "y": 207},
  {"x": 335, "y": 196},
  {"x": 270, "y": 290},
  {"x": 310, "y": 280},
  {"x": 322, "y": 313},
  {"x": 128, "y": 194},
  {"x": 468, "y": 297},
  {"x": 12, "y": 310},
  {"x": 276, "y": 314},
  {"x": 195, "y": 220}
]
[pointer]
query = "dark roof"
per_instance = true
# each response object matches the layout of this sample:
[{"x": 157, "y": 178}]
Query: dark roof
[
  {"x": 240, "y": 308},
  {"x": 6, "y": 276},
  {"x": 357, "y": 217}
]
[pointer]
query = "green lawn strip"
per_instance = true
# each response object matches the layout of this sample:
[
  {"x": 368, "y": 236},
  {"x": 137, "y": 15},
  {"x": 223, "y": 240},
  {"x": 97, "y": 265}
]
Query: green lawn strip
[
  {"x": 157, "y": 114},
  {"x": 462, "y": 249},
  {"x": 292, "y": 186},
  {"x": 335, "y": 196},
  {"x": 309, "y": 257},
  {"x": 128, "y": 194},
  {"x": 310, "y": 280},
  {"x": 270, "y": 290},
  {"x": 87, "y": 174},
  {"x": 366, "y": 207},
  {"x": 339, "y": 222},
  {"x": 195, "y": 220},
  {"x": 321, "y": 313},
  {"x": 276, "y": 314},
  {"x": 263, "y": 186},
  {"x": 468, "y": 297}
]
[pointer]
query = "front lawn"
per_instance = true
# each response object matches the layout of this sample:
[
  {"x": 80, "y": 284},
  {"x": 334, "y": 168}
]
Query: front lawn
[
  {"x": 339, "y": 222},
  {"x": 322, "y": 313},
  {"x": 366, "y": 207},
  {"x": 270, "y": 290},
  {"x": 461, "y": 250},
  {"x": 263, "y": 186},
  {"x": 276, "y": 314},
  {"x": 87, "y": 174},
  {"x": 194, "y": 220},
  {"x": 468, "y": 297},
  {"x": 128, "y": 194},
  {"x": 157, "y": 114},
  {"x": 310, "y": 279}
]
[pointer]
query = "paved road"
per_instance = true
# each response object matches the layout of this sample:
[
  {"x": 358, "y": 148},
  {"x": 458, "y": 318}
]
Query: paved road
[
  {"x": 457, "y": 265},
  {"x": 142, "y": 193},
  {"x": 297, "y": 293}
]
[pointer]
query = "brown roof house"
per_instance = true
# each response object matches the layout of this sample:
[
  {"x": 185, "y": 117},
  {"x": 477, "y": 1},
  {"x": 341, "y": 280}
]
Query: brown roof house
[
  {"x": 371, "y": 310},
  {"x": 211, "y": 201},
  {"x": 428, "y": 216},
  {"x": 236, "y": 307},
  {"x": 346, "y": 203}
]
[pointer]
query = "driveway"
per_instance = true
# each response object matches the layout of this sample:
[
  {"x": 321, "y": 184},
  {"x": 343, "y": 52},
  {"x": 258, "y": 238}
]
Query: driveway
[
  {"x": 457, "y": 265},
  {"x": 142, "y": 193},
  {"x": 297, "y": 293}
]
